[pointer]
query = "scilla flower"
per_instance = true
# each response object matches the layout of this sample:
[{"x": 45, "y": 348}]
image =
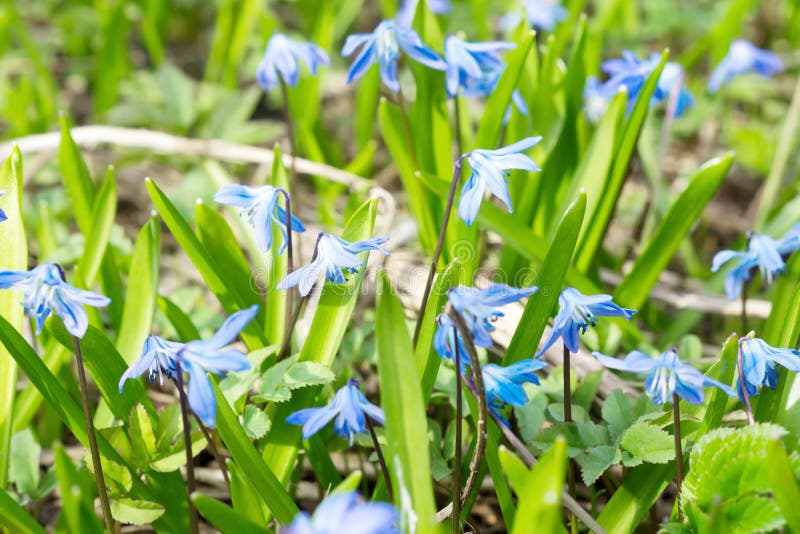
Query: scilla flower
[
  {"x": 672, "y": 80},
  {"x": 346, "y": 512},
  {"x": 197, "y": 359},
  {"x": 667, "y": 375},
  {"x": 576, "y": 313},
  {"x": 3, "y": 216},
  {"x": 596, "y": 97},
  {"x": 504, "y": 384},
  {"x": 445, "y": 339},
  {"x": 489, "y": 171},
  {"x": 333, "y": 256},
  {"x": 759, "y": 364},
  {"x": 384, "y": 45},
  {"x": 545, "y": 14},
  {"x": 467, "y": 61},
  {"x": 485, "y": 86},
  {"x": 478, "y": 307},
  {"x": 763, "y": 252},
  {"x": 349, "y": 407},
  {"x": 280, "y": 61},
  {"x": 742, "y": 57},
  {"x": 261, "y": 207},
  {"x": 45, "y": 290}
]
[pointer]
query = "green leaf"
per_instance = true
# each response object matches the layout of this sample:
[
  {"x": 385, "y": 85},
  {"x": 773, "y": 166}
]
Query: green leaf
[
  {"x": 78, "y": 492},
  {"x": 104, "y": 210},
  {"x": 672, "y": 230},
  {"x": 245, "y": 499},
  {"x": 550, "y": 280},
  {"x": 15, "y": 518},
  {"x": 23, "y": 470},
  {"x": 632, "y": 501},
  {"x": 541, "y": 492},
  {"x": 595, "y": 460},
  {"x": 223, "y": 517},
  {"x": 255, "y": 422},
  {"x": 402, "y": 404},
  {"x": 620, "y": 411},
  {"x": 647, "y": 443},
  {"x": 13, "y": 256},
  {"x": 77, "y": 180},
  {"x": 136, "y": 512},
  {"x": 174, "y": 456},
  {"x": 181, "y": 322},
  {"x": 784, "y": 483},
  {"x": 723, "y": 371},
  {"x": 254, "y": 468},
  {"x": 143, "y": 438}
]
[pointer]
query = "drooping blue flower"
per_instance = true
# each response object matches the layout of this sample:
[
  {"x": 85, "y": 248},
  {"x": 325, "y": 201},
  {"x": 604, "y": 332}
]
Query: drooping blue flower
[
  {"x": 280, "y": 61},
  {"x": 545, "y": 14},
  {"x": 350, "y": 408},
  {"x": 467, "y": 61},
  {"x": 45, "y": 290},
  {"x": 504, "y": 384},
  {"x": 485, "y": 86},
  {"x": 333, "y": 256},
  {"x": 3, "y": 216},
  {"x": 444, "y": 341},
  {"x": 576, "y": 313},
  {"x": 489, "y": 171},
  {"x": 596, "y": 97},
  {"x": 671, "y": 80},
  {"x": 478, "y": 307},
  {"x": 261, "y": 207},
  {"x": 197, "y": 358},
  {"x": 763, "y": 252},
  {"x": 384, "y": 45},
  {"x": 743, "y": 56},
  {"x": 759, "y": 364},
  {"x": 667, "y": 375},
  {"x": 346, "y": 512}
]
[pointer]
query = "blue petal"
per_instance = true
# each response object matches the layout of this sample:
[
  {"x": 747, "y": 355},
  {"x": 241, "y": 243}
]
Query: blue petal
[
  {"x": 471, "y": 197},
  {"x": 227, "y": 332},
  {"x": 201, "y": 395},
  {"x": 312, "y": 419}
]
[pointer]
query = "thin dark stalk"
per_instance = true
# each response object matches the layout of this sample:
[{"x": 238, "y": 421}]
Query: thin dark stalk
[
  {"x": 568, "y": 419},
  {"x": 287, "y": 336},
  {"x": 457, "y": 112},
  {"x": 211, "y": 445},
  {"x": 93, "y": 448},
  {"x": 191, "y": 485},
  {"x": 676, "y": 417},
  {"x": 381, "y": 459},
  {"x": 290, "y": 129},
  {"x": 745, "y": 291},
  {"x": 743, "y": 386},
  {"x": 477, "y": 390},
  {"x": 457, "y": 459},
  {"x": 287, "y": 345},
  {"x": 438, "y": 251}
]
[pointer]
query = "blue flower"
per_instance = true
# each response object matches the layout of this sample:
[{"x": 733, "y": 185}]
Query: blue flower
[
  {"x": 467, "y": 61},
  {"x": 197, "y": 359},
  {"x": 672, "y": 79},
  {"x": 504, "y": 384},
  {"x": 743, "y": 57},
  {"x": 576, "y": 313},
  {"x": 444, "y": 340},
  {"x": 260, "y": 206},
  {"x": 3, "y": 216},
  {"x": 762, "y": 251},
  {"x": 349, "y": 407},
  {"x": 485, "y": 86},
  {"x": 478, "y": 307},
  {"x": 596, "y": 97},
  {"x": 405, "y": 15},
  {"x": 489, "y": 171},
  {"x": 758, "y": 364},
  {"x": 45, "y": 290},
  {"x": 667, "y": 375},
  {"x": 384, "y": 45},
  {"x": 333, "y": 256},
  {"x": 281, "y": 60},
  {"x": 346, "y": 512},
  {"x": 545, "y": 14}
]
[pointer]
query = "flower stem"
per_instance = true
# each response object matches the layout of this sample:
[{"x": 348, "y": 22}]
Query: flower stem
[
  {"x": 212, "y": 446},
  {"x": 676, "y": 418},
  {"x": 289, "y": 129},
  {"x": 381, "y": 459},
  {"x": 457, "y": 457},
  {"x": 287, "y": 336},
  {"x": 745, "y": 291},
  {"x": 95, "y": 451},
  {"x": 439, "y": 246},
  {"x": 457, "y": 112},
  {"x": 568, "y": 419},
  {"x": 187, "y": 443},
  {"x": 743, "y": 386}
]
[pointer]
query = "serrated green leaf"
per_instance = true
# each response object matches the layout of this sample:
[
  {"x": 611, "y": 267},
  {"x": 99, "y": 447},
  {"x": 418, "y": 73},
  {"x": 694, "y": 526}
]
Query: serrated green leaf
[
  {"x": 136, "y": 512},
  {"x": 620, "y": 411},
  {"x": 303, "y": 374},
  {"x": 647, "y": 443},
  {"x": 255, "y": 422},
  {"x": 595, "y": 460},
  {"x": 175, "y": 456}
]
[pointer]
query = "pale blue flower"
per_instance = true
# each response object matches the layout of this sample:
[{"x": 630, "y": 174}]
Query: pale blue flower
[
  {"x": 479, "y": 307},
  {"x": 596, "y": 98},
  {"x": 672, "y": 79},
  {"x": 742, "y": 57},
  {"x": 489, "y": 171},
  {"x": 197, "y": 359},
  {"x": 405, "y": 15},
  {"x": 334, "y": 257},
  {"x": 280, "y": 61},
  {"x": 576, "y": 313},
  {"x": 3, "y": 216},
  {"x": 444, "y": 341},
  {"x": 763, "y": 252},
  {"x": 485, "y": 86},
  {"x": 545, "y": 14},
  {"x": 384, "y": 45},
  {"x": 667, "y": 375},
  {"x": 346, "y": 513},
  {"x": 467, "y": 61},
  {"x": 350, "y": 408},
  {"x": 503, "y": 385},
  {"x": 260, "y": 205},
  {"x": 759, "y": 364},
  {"x": 45, "y": 290}
]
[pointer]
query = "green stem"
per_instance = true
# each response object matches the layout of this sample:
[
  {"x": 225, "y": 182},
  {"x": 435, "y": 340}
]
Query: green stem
[
  {"x": 287, "y": 336},
  {"x": 381, "y": 459},
  {"x": 457, "y": 459},
  {"x": 573, "y": 522},
  {"x": 676, "y": 418}
]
